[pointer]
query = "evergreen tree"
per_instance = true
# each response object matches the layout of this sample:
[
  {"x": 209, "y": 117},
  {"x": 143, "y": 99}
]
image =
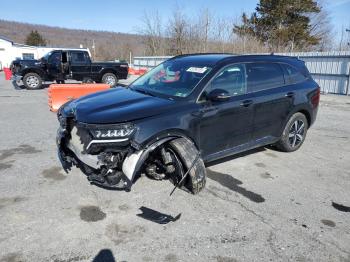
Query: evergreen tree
[
  {"x": 281, "y": 24},
  {"x": 35, "y": 39}
]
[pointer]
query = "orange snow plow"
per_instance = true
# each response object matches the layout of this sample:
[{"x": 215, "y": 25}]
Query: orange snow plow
[{"x": 59, "y": 94}]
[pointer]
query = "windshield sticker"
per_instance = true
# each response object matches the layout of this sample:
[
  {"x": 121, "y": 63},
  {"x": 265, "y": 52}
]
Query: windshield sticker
[{"x": 199, "y": 70}]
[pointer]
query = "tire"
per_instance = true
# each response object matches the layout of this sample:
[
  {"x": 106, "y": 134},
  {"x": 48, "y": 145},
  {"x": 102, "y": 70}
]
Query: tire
[
  {"x": 187, "y": 153},
  {"x": 294, "y": 133},
  {"x": 32, "y": 81},
  {"x": 110, "y": 79},
  {"x": 88, "y": 80}
]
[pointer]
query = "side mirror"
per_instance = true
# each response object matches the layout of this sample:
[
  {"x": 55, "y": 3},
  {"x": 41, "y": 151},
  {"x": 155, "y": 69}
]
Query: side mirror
[{"x": 219, "y": 95}]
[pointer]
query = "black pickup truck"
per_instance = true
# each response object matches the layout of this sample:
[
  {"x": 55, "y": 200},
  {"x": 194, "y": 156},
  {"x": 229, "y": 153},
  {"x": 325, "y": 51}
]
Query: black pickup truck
[{"x": 60, "y": 65}]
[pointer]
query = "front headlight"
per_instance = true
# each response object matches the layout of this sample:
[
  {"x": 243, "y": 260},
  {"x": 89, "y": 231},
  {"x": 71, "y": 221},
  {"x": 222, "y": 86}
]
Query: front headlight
[{"x": 120, "y": 131}]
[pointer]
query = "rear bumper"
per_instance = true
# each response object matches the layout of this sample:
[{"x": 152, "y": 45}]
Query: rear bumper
[{"x": 313, "y": 115}]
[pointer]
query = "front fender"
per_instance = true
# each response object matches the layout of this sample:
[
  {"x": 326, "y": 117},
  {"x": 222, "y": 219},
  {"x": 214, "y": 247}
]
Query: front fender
[
  {"x": 133, "y": 162},
  {"x": 36, "y": 70}
]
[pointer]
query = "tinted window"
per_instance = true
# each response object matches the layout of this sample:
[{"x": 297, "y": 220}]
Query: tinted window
[
  {"x": 262, "y": 76},
  {"x": 55, "y": 58},
  {"x": 292, "y": 74},
  {"x": 232, "y": 79},
  {"x": 78, "y": 57},
  {"x": 64, "y": 57},
  {"x": 28, "y": 56}
]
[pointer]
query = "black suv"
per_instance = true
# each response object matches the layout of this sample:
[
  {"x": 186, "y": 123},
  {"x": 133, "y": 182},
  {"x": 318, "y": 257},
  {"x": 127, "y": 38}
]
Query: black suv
[
  {"x": 188, "y": 111},
  {"x": 60, "y": 65}
]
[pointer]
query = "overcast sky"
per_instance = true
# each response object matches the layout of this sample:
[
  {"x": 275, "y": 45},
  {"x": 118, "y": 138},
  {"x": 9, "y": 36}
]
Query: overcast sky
[{"x": 124, "y": 16}]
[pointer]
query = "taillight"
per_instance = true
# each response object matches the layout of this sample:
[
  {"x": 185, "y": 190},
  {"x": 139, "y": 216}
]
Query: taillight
[{"x": 315, "y": 99}]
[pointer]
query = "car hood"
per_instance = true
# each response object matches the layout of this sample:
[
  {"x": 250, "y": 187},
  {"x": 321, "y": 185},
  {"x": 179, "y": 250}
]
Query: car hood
[
  {"x": 115, "y": 106},
  {"x": 26, "y": 62}
]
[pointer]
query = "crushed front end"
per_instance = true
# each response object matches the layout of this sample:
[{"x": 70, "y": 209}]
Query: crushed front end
[
  {"x": 98, "y": 150},
  {"x": 109, "y": 154}
]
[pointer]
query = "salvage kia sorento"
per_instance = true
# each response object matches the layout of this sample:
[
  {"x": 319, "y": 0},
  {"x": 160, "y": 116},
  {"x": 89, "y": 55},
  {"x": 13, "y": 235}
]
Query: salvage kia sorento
[{"x": 186, "y": 112}]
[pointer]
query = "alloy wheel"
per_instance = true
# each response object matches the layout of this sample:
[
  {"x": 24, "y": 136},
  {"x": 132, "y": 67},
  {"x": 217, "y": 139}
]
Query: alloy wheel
[
  {"x": 32, "y": 81},
  {"x": 110, "y": 80},
  {"x": 296, "y": 133}
]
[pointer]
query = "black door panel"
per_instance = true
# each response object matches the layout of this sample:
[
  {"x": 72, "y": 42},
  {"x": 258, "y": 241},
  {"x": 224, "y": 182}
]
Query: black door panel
[
  {"x": 80, "y": 64},
  {"x": 270, "y": 111},
  {"x": 54, "y": 65},
  {"x": 229, "y": 124},
  {"x": 273, "y": 99}
]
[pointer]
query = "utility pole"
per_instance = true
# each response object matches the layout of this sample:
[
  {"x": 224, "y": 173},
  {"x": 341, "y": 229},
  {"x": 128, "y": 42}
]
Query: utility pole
[{"x": 94, "y": 49}]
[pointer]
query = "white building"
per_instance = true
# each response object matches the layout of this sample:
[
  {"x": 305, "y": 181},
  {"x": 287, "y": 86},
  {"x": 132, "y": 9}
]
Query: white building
[{"x": 10, "y": 51}]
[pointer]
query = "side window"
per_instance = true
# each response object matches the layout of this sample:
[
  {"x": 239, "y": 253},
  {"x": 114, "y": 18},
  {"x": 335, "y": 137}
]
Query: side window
[
  {"x": 87, "y": 57},
  {"x": 261, "y": 76},
  {"x": 78, "y": 57},
  {"x": 27, "y": 55},
  {"x": 232, "y": 79},
  {"x": 292, "y": 74},
  {"x": 55, "y": 58}
]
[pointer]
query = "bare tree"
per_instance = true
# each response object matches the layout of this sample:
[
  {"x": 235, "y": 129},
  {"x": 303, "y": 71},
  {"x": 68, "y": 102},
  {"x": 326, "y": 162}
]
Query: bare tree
[
  {"x": 177, "y": 32},
  {"x": 152, "y": 33},
  {"x": 322, "y": 29},
  {"x": 204, "y": 26}
]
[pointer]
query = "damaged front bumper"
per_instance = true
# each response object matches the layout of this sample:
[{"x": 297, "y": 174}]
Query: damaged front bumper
[
  {"x": 111, "y": 163},
  {"x": 16, "y": 78}
]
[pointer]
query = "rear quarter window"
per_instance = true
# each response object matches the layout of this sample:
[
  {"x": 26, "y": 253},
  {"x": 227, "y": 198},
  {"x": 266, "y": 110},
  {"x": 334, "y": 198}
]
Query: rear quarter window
[
  {"x": 292, "y": 74},
  {"x": 262, "y": 76}
]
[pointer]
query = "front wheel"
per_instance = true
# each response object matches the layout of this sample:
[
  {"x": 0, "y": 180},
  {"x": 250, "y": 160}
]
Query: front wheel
[
  {"x": 110, "y": 79},
  {"x": 294, "y": 133},
  {"x": 32, "y": 81}
]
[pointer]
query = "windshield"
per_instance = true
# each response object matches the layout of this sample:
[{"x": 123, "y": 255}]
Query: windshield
[
  {"x": 45, "y": 57},
  {"x": 172, "y": 78}
]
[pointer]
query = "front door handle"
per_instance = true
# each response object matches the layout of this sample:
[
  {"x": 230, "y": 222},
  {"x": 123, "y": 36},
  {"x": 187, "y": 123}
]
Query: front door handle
[
  {"x": 290, "y": 94},
  {"x": 246, "y": 103}
]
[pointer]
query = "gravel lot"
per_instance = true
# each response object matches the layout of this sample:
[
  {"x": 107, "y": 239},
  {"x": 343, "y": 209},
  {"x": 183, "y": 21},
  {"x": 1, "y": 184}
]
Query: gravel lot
[{"x": 260, "y": 206}]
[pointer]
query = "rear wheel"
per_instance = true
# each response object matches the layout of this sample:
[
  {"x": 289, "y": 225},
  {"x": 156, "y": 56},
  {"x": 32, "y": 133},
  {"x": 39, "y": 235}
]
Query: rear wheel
[
  {"x": 294, "y": 133},
  {"x": 32, "y": 81},
  {"x": 110, "y": 79}
]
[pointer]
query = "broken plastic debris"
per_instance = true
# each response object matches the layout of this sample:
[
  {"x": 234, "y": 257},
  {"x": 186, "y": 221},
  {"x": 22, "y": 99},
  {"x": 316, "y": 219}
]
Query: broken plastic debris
[{"x": 156, "y": 216}]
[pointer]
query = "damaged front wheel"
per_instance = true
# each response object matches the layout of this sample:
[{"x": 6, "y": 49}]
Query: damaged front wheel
[{"x": 173, "y": 159}]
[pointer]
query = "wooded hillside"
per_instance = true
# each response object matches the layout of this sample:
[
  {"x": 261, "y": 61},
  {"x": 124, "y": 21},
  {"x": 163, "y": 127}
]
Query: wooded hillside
[{"x": 109, "y": 45}]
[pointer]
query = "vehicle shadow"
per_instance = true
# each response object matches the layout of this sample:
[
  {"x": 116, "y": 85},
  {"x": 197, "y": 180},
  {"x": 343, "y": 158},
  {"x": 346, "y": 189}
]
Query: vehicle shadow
[
  {"x": 235, "y": 185},
  {"x": 20, "y": 86}
]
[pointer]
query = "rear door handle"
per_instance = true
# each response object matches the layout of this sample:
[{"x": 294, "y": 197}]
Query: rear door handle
[
  {"x": 247, "y": 103},
  {"x": 290, "y": 94}
]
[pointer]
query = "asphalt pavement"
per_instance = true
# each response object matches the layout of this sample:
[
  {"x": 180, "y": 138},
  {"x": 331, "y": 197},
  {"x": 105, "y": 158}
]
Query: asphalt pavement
[{"x": 263, "y": 205}]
